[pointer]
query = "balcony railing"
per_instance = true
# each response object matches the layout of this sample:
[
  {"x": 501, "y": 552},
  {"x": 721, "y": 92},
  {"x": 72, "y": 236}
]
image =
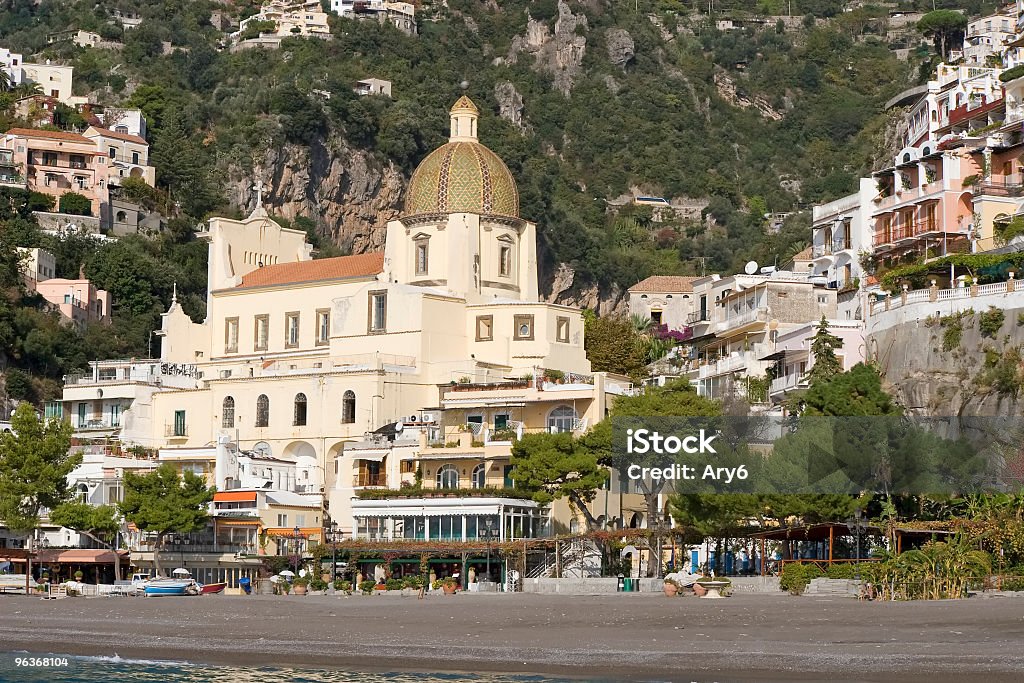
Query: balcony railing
[
  {"x": 788, "y": 382},
  {"x": 1005, "y": 187},
  {"x": 96, "y": 423},
  {"x": 59, "y": 163},
  {"x": 735, "y": 320},
  {"x": 370, "y": 480},
  {"x": 906, "y": 231},
  {"x": 176, "y": 431}
]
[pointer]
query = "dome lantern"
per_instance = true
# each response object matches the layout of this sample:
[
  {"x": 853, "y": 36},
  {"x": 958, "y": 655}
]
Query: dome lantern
[{"x": 462, "y": 175}]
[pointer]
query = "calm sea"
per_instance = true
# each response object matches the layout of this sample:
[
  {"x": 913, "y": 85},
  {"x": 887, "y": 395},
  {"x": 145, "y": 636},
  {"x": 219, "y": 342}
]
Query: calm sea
[{"x": 116, "y": 669}]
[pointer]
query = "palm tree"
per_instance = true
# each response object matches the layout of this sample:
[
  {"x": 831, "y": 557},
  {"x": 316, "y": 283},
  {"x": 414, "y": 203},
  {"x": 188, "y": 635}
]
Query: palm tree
[
  {"x": 28, "y": 88},
  {"x": 5, "y": 81}
]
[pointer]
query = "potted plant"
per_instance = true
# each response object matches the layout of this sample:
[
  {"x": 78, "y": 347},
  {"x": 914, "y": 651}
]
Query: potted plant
[
  {"x": 300, "y": 584},
  {"x": 447, "y": 584},
  {"x": 79, "y": 575},
  {"x": 285, "y": 587},
  {"x": 318, "y": 586},
  {"x": 671, "y": 588},
  {"x": 366, "y": 587},
  {"x": 342, "y": 586},
  {"x": 699, "y": 590}
]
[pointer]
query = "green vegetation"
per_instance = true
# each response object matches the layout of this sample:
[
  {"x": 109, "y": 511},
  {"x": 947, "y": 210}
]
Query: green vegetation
[
  {"x": 991, "y": 321},
  {"x": 946, "y": 27},
  {"x": 952, "y": 330},
  {"x": 1012, "y": 74},
  {"x": 75, "y": 204},
  {"x": 823, "y": 347},
  {"x": 558, "y": 466}
]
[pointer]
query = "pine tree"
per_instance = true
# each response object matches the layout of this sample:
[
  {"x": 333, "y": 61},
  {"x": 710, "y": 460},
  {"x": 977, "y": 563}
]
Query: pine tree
[{"x": 823, "y": 347}]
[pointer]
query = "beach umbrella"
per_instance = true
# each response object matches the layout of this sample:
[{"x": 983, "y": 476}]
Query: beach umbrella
[
  {"x": 180, "y": 572},
  {"x": 288, "y": 573},
  {"x": 276, "y": 579}
]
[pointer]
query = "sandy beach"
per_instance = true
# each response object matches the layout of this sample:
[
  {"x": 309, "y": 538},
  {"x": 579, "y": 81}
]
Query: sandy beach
[{"x": 617, "y": 637}]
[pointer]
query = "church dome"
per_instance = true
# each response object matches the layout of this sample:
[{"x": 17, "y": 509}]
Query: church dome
[{"x": 463, "y": 176}]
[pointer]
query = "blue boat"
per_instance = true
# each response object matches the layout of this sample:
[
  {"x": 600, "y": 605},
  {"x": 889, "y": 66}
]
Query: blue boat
[{"x": 167, "y": 587}]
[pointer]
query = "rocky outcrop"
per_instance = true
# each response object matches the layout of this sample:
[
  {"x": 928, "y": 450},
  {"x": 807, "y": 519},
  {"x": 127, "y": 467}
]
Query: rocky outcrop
[
  {"x": 564, "y": 290},
  {"x": 559, "y": 53},
  {"x": 727, "y": 91},
  {"x": 348, "y": 192},
  {"x": 510, "y": 104},
  {"x": 621, "y": 49}
]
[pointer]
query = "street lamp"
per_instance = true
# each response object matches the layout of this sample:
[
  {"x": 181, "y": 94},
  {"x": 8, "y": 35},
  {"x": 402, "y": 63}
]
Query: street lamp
[
  {"x": 334, "y": 534},
  {"x": 488, "y": 524},
  {"x": 297, "y": 532},
  {"x": 857, "y": 525}
]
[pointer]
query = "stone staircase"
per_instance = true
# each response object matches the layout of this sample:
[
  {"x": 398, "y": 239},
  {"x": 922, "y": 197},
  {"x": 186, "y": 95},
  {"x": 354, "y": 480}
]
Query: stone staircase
[{"x": 832, "y": 588}]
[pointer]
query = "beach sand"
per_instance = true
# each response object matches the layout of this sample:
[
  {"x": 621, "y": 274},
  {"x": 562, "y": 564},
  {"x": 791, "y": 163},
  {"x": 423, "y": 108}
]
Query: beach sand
[{"x": 617, "y": 637}]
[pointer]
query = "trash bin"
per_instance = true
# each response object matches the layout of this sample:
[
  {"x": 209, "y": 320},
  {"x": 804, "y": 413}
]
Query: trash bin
[
  {"x": 628, "y": 587},
  {"x": 620, "y": 585},
  {"x": 245, "y": 584}
]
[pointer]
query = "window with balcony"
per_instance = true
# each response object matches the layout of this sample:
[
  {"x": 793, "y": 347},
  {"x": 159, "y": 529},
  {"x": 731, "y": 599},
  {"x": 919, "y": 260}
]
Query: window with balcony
[
  {"x": 561, "y": 419},
  {"x": 77, "y": 161},
  {"x": 115, "y": 415},
  {"x": 49, "y": 158},
  {"x": 323, "y": 326},
  {"x": 300, "y": 411},
  {"x": 179, "y": 423},
  {"x": 261, "y": 332},
  {"x": 447, "y": 477},
  {"x": 348, "y": 407},
  {"x": 479, "y": 476},
  {"x": 262, "y": 411},
  {"x": 227, "y": 413}
]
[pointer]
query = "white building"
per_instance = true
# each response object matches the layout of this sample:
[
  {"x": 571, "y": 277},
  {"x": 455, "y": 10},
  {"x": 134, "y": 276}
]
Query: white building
[
  {"x": 841, "y": 231},
  {"x": 11, "y": 63}
]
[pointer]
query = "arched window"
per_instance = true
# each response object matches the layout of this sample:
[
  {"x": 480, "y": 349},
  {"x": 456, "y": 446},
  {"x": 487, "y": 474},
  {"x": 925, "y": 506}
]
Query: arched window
[
  {"x": 227, "y": 413},
  {"x": 300, "y": 410},
  {"x": 262, "y": 411},
  {"x": 479, "y": 478},
  {"x": 561, "y": 419},
  {"x": 348, "y": 408},
  {"x": 83, "y": 493},
  {"x": 448, "y": 477}
]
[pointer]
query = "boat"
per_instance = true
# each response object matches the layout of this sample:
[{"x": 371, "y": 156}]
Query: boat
[
  {"x": 211, "y": 588},
  {"x": 167, "y": 587}
]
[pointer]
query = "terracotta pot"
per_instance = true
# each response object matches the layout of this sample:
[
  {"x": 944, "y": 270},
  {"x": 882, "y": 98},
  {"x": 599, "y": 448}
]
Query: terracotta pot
[
  {"x": 299, "y": 590},
  {"x": 326, "y": 576},
  {"x": 671, "y": 590},
  {"x": 448, "y": 590},
  {"x": 699, "y": 590}
]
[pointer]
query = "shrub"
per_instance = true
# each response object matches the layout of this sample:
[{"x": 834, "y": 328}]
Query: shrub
[
  {"x": 74, "y": 203},
  {"x": 394, "y": 584},
  {"x": 20, "y": 386},
  {"x": 343, "y": 586},
  {"x": 1012, "y": 74},
  {"x": 991, "y": 321},
  {"x": 366, "y": 587},
  {"x": 953, "y": 331},
  {"x": 796, "y": 575},
  {"x": 414, "y": 582},
  {"x": 317, "y": 584}
]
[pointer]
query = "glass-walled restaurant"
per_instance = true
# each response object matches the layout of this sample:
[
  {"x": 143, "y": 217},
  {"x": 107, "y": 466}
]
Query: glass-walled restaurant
[{"x": 477, "y": 519}]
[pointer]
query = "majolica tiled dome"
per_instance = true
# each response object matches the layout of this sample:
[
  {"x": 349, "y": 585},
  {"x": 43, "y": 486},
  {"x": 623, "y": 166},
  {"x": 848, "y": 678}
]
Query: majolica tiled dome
[{"x": 463, "y": 176}]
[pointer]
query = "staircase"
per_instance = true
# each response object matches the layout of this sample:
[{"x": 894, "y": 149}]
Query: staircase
[
  {"x": 833, "y": 588},
  {"x": 578, "y": 558}
]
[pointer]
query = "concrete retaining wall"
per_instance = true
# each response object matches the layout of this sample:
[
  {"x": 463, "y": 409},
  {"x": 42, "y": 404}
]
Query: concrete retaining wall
[{"x": 586, "y": 586}]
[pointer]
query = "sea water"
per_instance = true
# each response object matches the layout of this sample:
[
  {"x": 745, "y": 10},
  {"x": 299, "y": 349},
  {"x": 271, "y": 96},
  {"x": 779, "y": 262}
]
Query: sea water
[{"x": 23, "y": 667}]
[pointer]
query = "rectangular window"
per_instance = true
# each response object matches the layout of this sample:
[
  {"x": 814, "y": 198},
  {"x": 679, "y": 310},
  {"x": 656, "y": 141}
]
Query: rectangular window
[
  {"x": 524, "y": 328},
  {"x": 179, "y": 423},
  {"x": 378, "y": 312},
  {"x": 231, "y": 335},
  {"x": 300, "y": 520},
  {"x": 484, "y": 328},
  {"x": 562, "y": 330},
  {"x": 422, "y": 257},
  {"x": 505, "y": 261},
  {"x": 323, "y": 326},
  {"x": 135, "y": 157},
  {"x": 282, "y": 520},
  {"x": 115, "y": 415},
  {"x": 260, "y": 333},
  {"x": 115, "y": 494},
  {"x": 112, "y": 153},
  {"x": 291, "y": 330}
]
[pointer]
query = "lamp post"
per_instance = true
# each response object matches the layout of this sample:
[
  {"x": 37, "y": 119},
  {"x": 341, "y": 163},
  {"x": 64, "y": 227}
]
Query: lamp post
[
  {"x": 857, "y": 525},
  {"x": 334, "y": 534},
  {"x": 488, "y": 524},
  {"x": 297, "y": 531}
]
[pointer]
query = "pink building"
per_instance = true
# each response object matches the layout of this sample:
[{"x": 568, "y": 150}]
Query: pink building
[
  {"x": 78, "y": 300},
  {"x": 56, "y": 162},
  {"x": 923, "y": 203}
]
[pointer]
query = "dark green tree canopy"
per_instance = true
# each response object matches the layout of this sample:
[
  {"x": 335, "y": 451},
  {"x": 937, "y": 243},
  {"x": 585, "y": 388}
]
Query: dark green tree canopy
[
  {"x": 558, "y": 466},
  {"x": 823, "y": 348}
]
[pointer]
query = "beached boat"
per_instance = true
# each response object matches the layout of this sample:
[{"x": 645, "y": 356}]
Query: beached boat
[
  {"x": 211, "y": 588},
  {"x": 167, "y": 587}
]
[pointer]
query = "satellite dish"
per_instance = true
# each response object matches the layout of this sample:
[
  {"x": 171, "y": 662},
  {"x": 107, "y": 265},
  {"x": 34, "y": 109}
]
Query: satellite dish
[
  {"x": 263, "y": 449},
  {"x": 399, "y": 427},
  {"x": 750, "y": 268}
]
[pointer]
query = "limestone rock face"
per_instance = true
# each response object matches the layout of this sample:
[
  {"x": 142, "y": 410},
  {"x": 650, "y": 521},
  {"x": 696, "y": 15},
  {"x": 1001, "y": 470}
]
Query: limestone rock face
[
  {"x": 510, "y": 104},
  {"x": 561, "y": 53},
  {"x": 621, "y": 49},
  {"x": 565, "y": 291},
  {"x": 350, "y": 195}
]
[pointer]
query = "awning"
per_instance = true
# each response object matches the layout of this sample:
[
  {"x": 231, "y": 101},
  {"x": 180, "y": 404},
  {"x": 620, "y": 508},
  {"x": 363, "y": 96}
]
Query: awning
[
  {"x": 79, "y": 556},
  {"x": 376, "y": 455},
  {"x": 254, "y": 522},
  {"x": 285, "y": 532},
  {"x": 234, "y": 497}
]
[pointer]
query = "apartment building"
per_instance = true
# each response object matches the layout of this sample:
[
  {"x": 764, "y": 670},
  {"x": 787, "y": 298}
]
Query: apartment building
[
  {"x": 290, "y": 18},
  {"x": 664, "y": 299},
  {"x": 55, "y": 162},
  {"x": 402, "y": 15},
  {"x": 792, "y": 357},
  {"x": 37, "y": 265},
  {"x": 986, "y": 38}
]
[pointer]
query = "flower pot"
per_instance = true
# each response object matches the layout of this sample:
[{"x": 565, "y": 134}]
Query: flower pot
[
  {"x": 448, "y": 590},
  {"x": 299, "y": 590},
  {"x": 699, "y": 590},
  {"x": 671, "y": 590}
]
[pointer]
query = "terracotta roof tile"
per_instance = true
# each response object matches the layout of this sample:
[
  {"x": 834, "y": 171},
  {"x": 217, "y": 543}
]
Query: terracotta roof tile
[
  {"x": 107, "y": 133},
  {"x": 803, "y": 255},
  {"x": 48, "y": 134},
  {"x": 665, "y": 283},
  {"x": 363, "y": 265}
]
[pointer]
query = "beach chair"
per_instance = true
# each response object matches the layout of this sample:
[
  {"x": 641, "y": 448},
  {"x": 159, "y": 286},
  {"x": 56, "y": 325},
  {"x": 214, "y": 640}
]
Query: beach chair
[{"x": 56, "y": 592}]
